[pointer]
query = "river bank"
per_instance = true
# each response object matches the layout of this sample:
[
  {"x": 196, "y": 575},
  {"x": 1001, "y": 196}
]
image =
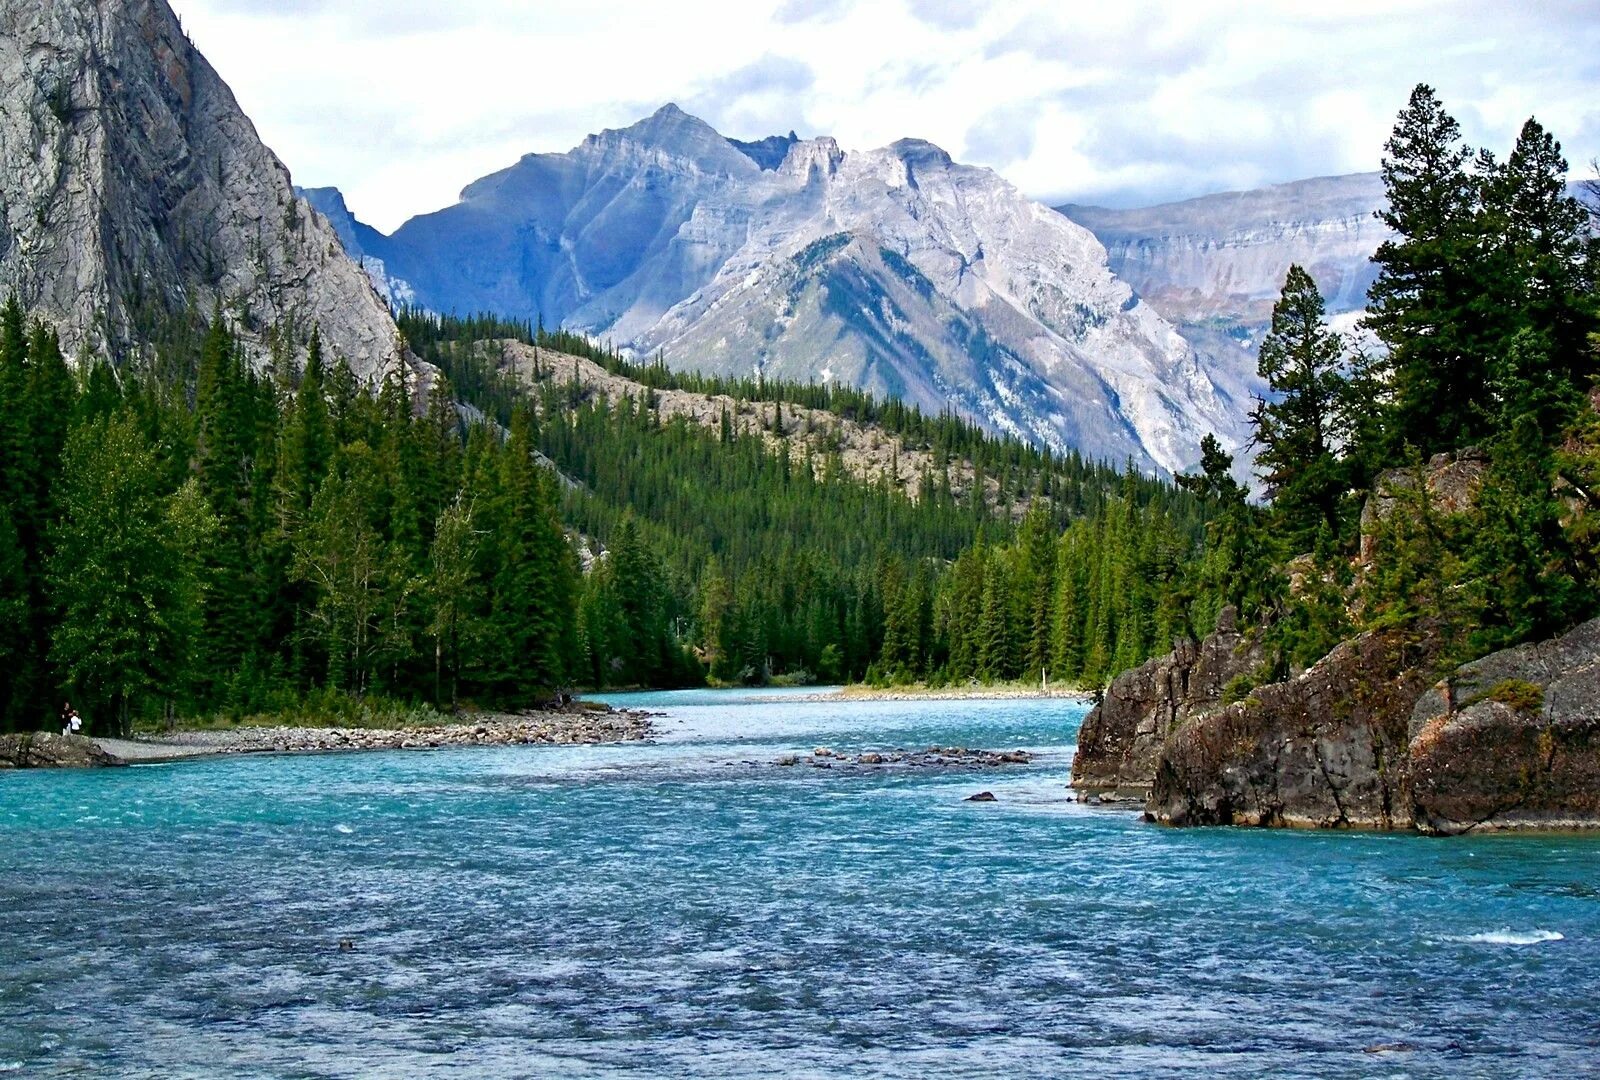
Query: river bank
[
  {"x": 556, "y": 726},
  {"x": 1008, "y": 692}
]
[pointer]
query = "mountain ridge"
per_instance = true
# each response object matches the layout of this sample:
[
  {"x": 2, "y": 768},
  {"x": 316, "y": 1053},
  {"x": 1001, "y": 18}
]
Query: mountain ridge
[{"x": 897, "y": 269}]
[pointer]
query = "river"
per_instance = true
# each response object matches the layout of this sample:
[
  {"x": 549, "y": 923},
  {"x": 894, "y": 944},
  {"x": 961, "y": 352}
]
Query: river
[{"x": 686, "y": 907}]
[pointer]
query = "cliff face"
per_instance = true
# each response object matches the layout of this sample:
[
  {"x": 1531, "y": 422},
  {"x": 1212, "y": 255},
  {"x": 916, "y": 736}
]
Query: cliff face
[
  {"x": 133, "y": 188},
  {"x": 1225, "y": 256},
  {"x": 1328, "y": 749},
  {"x": 1512, "y": 741},
  {"x": 1369, "y": 737}
]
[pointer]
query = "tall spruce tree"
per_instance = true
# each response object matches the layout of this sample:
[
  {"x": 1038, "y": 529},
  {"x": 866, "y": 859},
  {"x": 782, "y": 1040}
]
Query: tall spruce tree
[
  {"x": 120, "y": 573},
  {"x": 1425, "y": 303},
  {"x": 1299, "y": 430}
]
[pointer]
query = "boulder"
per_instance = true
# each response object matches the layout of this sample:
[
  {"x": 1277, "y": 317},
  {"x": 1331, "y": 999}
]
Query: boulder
[
  {"x": 1122, "y": 737},
  {"x": 982, "y": 796},
  {"x": 47, "y": 750},
  {"x": 1453, "y": 482},
  {"x": 1512, "y": 741},
  {"x": 1327, "y": 749}
]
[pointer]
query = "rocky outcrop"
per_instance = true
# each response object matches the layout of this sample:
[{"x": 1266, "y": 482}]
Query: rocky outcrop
[
  {"x": 1452, "y": 482},
  {"x": 1121, "y": 738},
  {"x": 1512, "y": 741},
  {"x": 133, "y": 189},
  {"x": 1368, "y": 737},
  {"x": 1327, "y": 749},
  {"x": 47, "y": 750}
]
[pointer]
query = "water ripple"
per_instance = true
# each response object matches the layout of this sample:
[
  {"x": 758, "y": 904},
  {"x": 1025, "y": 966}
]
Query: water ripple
[{"x": 687, "y": 909}]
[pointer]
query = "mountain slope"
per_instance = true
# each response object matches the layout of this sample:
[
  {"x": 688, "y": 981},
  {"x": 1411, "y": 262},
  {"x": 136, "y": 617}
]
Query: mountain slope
[
  {"x": 897, "y": 270},
  {"x": 1225, "y": 256},
  {"x": 134, "y": 190},
  {"x": 1215, "y": 265}
]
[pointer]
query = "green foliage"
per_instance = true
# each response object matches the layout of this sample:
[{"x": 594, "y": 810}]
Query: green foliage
[
  {"x": 1518, "y": 694},
  {"x": 121, "y": 572},
  {"x": 1308, "y": 418},
  {"x": 1486, "y": 304}
]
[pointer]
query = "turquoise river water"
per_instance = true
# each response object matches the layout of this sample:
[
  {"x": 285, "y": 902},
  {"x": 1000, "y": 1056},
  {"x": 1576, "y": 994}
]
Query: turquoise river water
[{"x": 687, "y": 908}]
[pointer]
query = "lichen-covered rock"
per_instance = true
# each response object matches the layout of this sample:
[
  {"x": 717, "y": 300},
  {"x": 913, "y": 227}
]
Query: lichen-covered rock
[
  {"x": 133, "y": 188},
  {"x": 1121, "y": 738},
  {"x": 47, "y": 750},
  {"x": 1453, "y": 483},
  {"x": 1512, "y": 741},
  {"x": 1327, "y": 749}
]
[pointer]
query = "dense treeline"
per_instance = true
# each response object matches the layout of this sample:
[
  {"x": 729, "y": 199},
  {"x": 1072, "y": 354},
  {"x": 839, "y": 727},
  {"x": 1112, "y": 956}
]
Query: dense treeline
[
  {"x": 197, "y": 536},
  {"x": 777, "y": 563},
  {"x": 1486, "y": 309},
  {"x": 239, "y": 543}
]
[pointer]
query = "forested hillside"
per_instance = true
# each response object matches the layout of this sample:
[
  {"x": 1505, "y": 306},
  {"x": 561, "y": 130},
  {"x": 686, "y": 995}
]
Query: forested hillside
[{"x": 191, "y": 535}]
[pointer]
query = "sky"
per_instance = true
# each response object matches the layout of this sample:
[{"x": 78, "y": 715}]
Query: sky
[{"x": 401, "y": 103}]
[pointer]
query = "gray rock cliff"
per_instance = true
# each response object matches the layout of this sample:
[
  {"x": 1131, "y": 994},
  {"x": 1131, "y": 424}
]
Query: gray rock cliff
[
  {"x": 1120, "y": 741},
  {"x": 134, "y": 189},
  {"x": 1512, "y": 741}
]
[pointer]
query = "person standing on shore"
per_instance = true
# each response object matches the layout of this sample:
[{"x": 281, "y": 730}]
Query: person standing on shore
[{"x": 71, "y": 722}]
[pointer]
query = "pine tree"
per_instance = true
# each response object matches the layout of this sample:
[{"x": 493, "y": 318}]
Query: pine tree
[
  {"x": 1299, "y": 430},
  {"x": 1540, "y": 282},
  {"x": 119, "y": 573},
  {"x": 452, "y": 589},
  {"x": 996, "y": 647},
  {"x": 1424, "y": 303}
]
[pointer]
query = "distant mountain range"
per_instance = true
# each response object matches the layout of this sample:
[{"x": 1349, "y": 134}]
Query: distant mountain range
[
  {"x": 896, "y": 269},
  {"x": 1215, "y": 265}
]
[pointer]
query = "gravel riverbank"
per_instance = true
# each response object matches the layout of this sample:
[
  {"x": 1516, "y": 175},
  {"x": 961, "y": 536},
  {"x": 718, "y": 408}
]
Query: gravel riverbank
[{"x": 487, "y": 729}]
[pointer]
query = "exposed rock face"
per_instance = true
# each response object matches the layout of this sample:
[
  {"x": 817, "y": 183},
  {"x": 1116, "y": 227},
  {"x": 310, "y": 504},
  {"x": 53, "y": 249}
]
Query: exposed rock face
[
  {"x": 47, "y": 750},
  {"x": 1325, "y": 750},
  {"x": 1453, "y": 482},
  {"x": 1215, "y": 265},
  {"x": 895, "y": 269},
  {"x": 1225, "y": 256},
  {"x": 1120, "y": 741},
  {"x": 1368, "y": 737},
  {"x": 1512, "y": 741},
  {"x": 134, "y": 189}
]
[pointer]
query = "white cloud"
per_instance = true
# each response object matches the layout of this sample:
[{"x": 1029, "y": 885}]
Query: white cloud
[{"x": 403, "y": 102}]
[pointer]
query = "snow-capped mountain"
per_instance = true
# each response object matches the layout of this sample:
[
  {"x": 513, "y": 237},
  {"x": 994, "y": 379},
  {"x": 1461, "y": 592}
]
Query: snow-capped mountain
[{"x": 895, "y": 269}]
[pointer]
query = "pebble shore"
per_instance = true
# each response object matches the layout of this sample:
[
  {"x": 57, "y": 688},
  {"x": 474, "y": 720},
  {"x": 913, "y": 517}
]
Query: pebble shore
[{"x": 488, "y": 729}]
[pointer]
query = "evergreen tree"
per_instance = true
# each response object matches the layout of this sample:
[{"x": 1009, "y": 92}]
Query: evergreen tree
[
  {"x": 452, "y": 598},
  {"x": 119, "y": 573},
  {"x": 1299, "y": 430},
  {"x": 1424, "y": 303}
]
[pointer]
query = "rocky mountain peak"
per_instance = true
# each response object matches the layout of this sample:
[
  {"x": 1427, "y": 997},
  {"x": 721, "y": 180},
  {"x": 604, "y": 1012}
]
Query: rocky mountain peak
[
  {"x": 671, "y": 133},
  {"x": 134, "y": 190},
  {"x": 812, "y": 159},
  {"x": 898, "y": 270}
]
